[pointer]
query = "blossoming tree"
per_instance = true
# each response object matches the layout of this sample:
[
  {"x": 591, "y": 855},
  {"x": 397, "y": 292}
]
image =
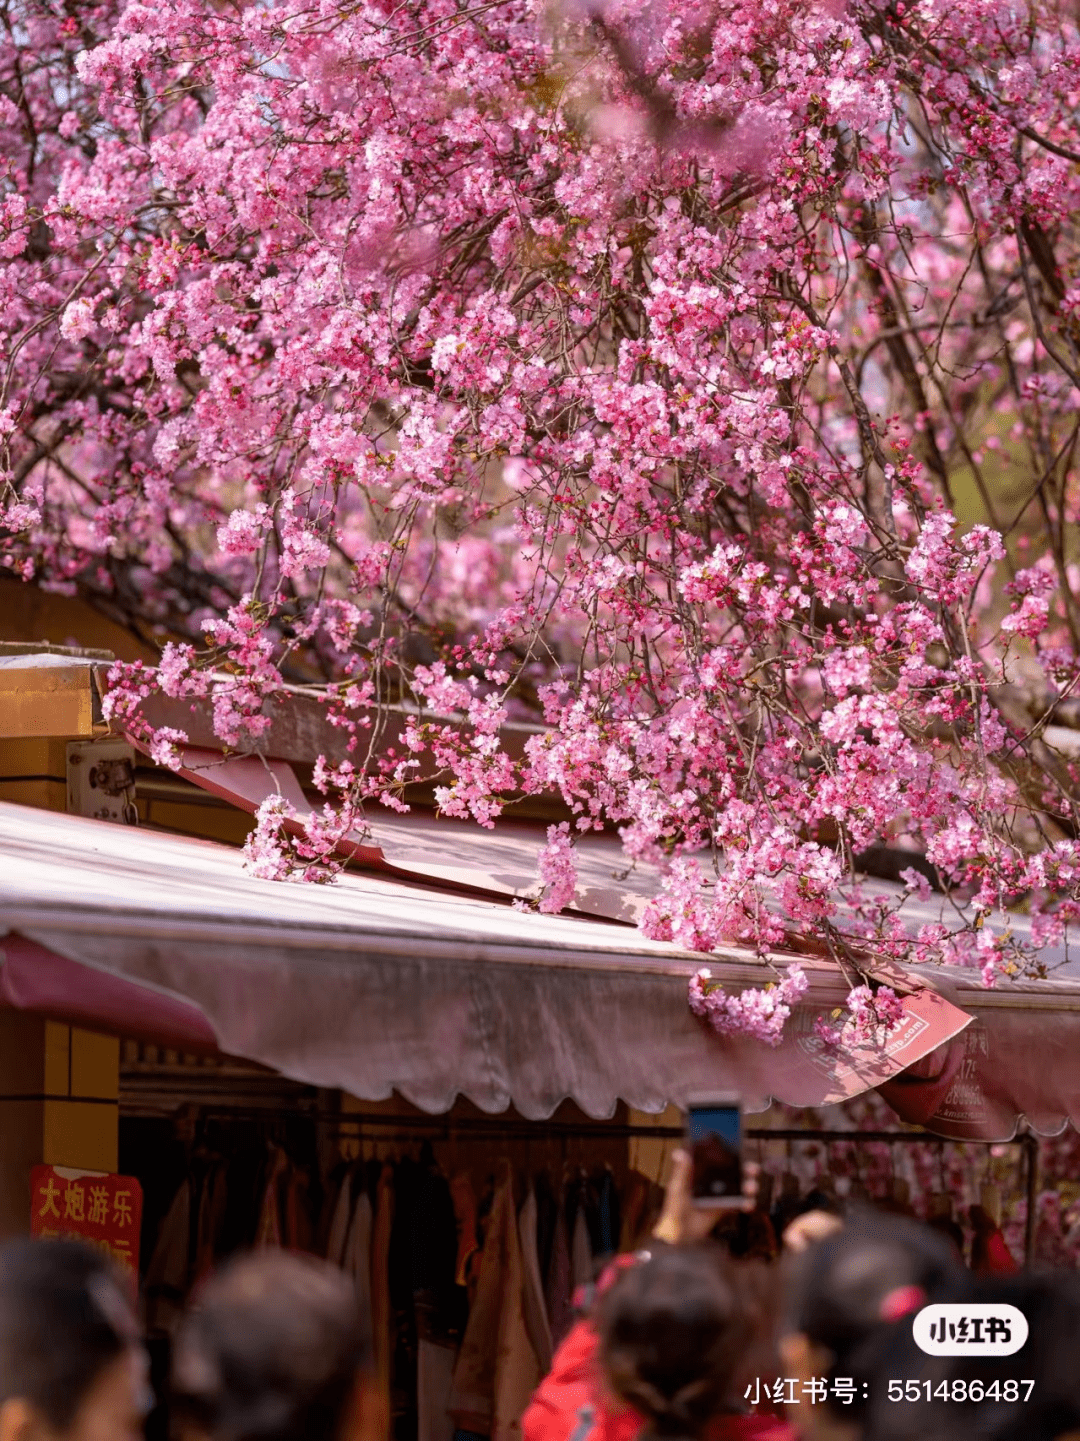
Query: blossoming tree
[{"x": 700, "y": 378}]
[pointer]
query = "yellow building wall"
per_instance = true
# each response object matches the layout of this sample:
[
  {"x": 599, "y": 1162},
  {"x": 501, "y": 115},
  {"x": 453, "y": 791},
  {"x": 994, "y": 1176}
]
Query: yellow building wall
[
  {"x": 59, "y": 1105},
  {"x": 33, "y": 772}
]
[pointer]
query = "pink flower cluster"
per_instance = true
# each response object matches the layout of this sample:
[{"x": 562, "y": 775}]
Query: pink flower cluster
[
  {"x": 558, "y": 871},
  {"x": 868, "y": 1015},
  {"x": 692, "y": 384},
  {"x": 759, "y": 1012}
]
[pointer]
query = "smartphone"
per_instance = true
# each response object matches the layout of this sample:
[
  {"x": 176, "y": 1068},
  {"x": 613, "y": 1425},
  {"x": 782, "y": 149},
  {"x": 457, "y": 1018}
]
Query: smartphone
[{"x": 714, "y": 1140}]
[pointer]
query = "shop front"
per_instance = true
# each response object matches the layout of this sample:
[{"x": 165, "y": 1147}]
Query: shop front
[{"x": 465, "y": 1103}]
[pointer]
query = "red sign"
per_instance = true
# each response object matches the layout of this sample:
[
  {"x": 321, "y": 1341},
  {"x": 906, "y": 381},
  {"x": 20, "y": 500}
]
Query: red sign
[
  {"x": 92, "y": 1206},
  {"x": 864, "y": 1061}
]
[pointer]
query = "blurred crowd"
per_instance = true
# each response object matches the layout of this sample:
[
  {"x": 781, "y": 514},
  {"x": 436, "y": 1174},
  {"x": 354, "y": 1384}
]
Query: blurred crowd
[{"x": 676, "y": 1342}]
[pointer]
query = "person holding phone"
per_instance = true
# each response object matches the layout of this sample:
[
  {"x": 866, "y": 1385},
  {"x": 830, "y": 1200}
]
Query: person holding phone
[
  {"x": 573, "y": 1403},
  {"x": 714, "y": 1140}
]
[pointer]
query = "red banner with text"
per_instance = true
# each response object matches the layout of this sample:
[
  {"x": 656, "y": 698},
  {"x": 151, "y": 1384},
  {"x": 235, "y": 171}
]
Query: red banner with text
[{"x": 103, "y": 1210}]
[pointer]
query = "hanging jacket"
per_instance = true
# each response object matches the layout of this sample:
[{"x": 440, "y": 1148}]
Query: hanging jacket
[
  {"x": 213, "y": 1204},
  {"x": 496, "y": 1369},
  {"x": 356, "y": 1254},
  {"x": 380, "y": 1275},
  {"x": 990, "y": 1256},
  {"x": 559, "y": 1289},
  {"x": 382, "y": 1226},
  {"x": 169, "y": 1272},
  {"x": 339, "y": 1222},
  {"x": 270, "y": 1231},
  {"x": 536, "y": 1318},
  {"x": 581, "y": 1253},
  {"x": 464, "y": 1203}
]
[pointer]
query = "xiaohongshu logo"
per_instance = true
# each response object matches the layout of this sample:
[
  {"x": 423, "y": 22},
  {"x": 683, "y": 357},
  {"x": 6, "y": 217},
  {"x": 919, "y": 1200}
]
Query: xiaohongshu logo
[{"x": 979, "y": 1329}]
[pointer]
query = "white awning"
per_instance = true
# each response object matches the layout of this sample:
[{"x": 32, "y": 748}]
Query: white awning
[{"x": 373, "y": 985}]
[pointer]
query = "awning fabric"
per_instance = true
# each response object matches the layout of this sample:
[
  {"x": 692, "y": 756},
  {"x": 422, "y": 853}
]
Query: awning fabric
[
  {"x": 374, "y": 985},
  {"x": 35, "y": 979}
]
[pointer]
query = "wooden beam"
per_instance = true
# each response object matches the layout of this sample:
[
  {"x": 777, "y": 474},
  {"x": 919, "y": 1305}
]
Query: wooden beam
[{"x": 47, "y": 696}]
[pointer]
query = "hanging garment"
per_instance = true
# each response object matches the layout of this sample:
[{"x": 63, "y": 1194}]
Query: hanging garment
[
  {"x": 356, "y": 1258},
  {"x": 340, "y": 1218},
  {"x": 213, "y": 1204},
  {"x": 536, "y": 1319},
  {"x": 298, "y": 1233},
  {"x": 558, "y": 1289},
  {"x": 609, "y": 1215},
  {"x": 403, "y": 1329},
  {"x": 472, "y": 1392},
  {"x": 441, "y": 1305},
  {"x": 356, "y": 1253},
  {"x": 497, "y": 1369},
  {"x": 270, "y": 1231},
  {"x": 581, "y": 1255},
  {"x": 517, "y": 1370},
  {"x": 990, "y": 1256},
  {"x": 547, "y": 1210},
  {"x": 169, "y": 1271},
  {"x": 434, "y": 1376},
  {"x": 244, "y": 1194},
  {"x": 464, "y": 1202},
  {"x": 635, "y": 1205},
  {"x": 589, "y": 1199},
  {"x": 381, "y": 1229}
]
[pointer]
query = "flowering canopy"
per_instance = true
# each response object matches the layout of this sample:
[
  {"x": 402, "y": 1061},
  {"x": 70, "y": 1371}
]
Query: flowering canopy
[{"x": 625, "y": 368}]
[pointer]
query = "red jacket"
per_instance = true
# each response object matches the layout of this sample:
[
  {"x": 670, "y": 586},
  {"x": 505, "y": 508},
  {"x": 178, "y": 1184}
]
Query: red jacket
[{"x": 568, "y": 1404}]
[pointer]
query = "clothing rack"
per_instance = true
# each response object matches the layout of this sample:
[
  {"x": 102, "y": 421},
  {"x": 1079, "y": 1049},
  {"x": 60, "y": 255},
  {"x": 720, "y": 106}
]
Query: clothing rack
[
  {"x": 409, "y": 1128},
  {"x": 399, "y": 1128},
  {"x": 444, "y": 1123},
  {"x": 444, "y": 1126},
  {"x": 1027, "y": 1141},
  {"x": 613, "y": 1129}
]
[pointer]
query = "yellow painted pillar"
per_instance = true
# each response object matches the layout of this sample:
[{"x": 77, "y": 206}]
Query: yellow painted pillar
[
  {"x": 81, "y": 1125},
  {"x": 59, "y": 1104}
]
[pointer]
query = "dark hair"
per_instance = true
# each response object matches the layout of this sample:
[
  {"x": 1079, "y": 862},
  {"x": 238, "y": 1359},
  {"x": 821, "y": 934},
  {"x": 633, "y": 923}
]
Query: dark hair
[
  {"x": 271, "y": 1350},
  {"x": 63, "y": 1319},
  {"x": 848, "y": 1291},
  {"x": 671, "y": 1337}
]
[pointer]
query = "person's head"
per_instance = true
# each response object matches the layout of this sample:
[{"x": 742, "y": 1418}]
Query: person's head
[
  {"x": 273, "y": 1348},
  {"x": 848, "y": 1291},
  {"x": 672, "y": 1333},
  {"x": 71, "y": 1366}
]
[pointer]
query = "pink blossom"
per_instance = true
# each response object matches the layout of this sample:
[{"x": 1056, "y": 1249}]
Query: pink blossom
[
  {"x": 265, "y": 850},
  {"x": 164, "y": 747},
  {"x": 649, "y": 451},
  {"x": 756, "y": 1012},
  {"x": 558, "y": 870},
  {"x": 77, "y": 320},
  {"x": 243, "y": 532}
]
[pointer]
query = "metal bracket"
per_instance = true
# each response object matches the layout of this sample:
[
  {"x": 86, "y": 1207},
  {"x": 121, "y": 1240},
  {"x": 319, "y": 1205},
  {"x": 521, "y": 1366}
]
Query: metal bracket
[{"x": 101, "y": 781}]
